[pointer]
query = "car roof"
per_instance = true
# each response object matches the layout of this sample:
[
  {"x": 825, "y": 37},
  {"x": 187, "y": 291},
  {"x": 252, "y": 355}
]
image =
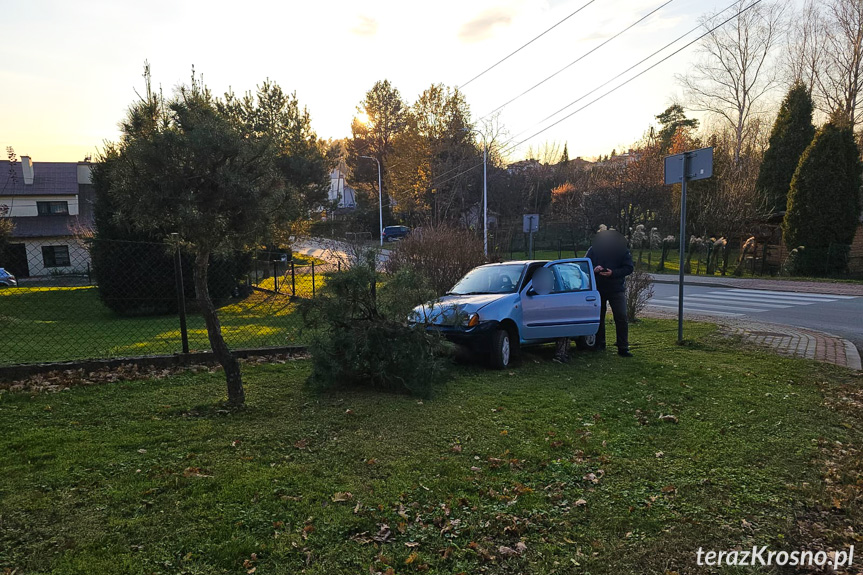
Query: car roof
[
  {"x": 514, "y": 262},
  {"x": 526, "y": 262}
]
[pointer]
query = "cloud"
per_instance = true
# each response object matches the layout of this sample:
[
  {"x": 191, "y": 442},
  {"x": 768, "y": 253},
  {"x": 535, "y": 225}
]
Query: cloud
[
  {"x": 367, "y": 26},
  {"x": 481, "y": 27}
]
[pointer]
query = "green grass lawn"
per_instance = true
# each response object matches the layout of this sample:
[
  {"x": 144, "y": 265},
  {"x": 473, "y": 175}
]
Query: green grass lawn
[
  {"x": 572, "y": 461},
  {"x": 59, "y": 324}
]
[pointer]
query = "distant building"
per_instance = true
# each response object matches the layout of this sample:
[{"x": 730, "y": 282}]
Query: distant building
[
  {"x": 340, "y": 194},
  {"x": 472, "y": 217},
  {"x": 523, "y": 166},
  {"x": 51, "y": 208}
]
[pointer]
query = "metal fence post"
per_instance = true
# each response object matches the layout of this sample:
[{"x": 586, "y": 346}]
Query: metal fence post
[
  {"x": 313, "y": 278},
  {"x": 275, "y": 276},
  {"x": 293, "y": 280},
  {"x": 181, "y": 296}
]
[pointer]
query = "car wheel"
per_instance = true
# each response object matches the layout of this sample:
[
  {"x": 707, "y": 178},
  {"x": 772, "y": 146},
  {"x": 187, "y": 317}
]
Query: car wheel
[
  {"x": 586, "y": 342},
  {"x": 501, "y": 349}
]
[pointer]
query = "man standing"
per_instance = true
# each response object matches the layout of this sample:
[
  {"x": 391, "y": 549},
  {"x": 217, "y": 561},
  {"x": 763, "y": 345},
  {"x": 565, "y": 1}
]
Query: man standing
[{"x": 612, "y": 262}]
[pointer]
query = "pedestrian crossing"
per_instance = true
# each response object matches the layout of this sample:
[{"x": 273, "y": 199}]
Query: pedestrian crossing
[{"x": 739, "y": 302}]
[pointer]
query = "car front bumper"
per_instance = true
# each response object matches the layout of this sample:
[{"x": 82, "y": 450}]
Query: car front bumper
[{"x": 477, "y": 338}]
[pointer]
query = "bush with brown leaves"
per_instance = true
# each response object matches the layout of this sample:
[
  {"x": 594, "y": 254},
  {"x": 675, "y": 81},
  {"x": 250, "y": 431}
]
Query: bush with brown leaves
[
  {"x": 442, "y": 255},
  {"x": 639, "y": 290}
]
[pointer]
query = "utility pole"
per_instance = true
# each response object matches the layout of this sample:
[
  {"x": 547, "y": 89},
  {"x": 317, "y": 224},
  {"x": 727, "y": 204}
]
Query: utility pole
[{"x": 380, "y": 200}]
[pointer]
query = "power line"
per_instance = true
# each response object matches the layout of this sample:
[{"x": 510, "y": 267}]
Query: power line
[
  {"x": 652, "y": 66},
  {"x": 520, "y": 48},
  {"x": 580, "y": 58},
  {"x": 682, "y": 48},
  {"x": 567, "y": 66},
  {"x": 642, "y": 61}
]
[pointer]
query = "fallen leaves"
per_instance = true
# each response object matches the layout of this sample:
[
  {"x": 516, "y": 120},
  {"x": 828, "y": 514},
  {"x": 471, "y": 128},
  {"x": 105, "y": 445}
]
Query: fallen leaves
[
  {"x": 58, "y": 380},
  {"x": 194, "y": 472},
  {"x": 384, "y": 534},
  {"x": 342, "y": 496}
]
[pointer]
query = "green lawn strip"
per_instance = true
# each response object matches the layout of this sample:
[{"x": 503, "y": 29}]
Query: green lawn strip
[
  {"x": 61, "y": 324},
  {"x": 211, "y": 489}
]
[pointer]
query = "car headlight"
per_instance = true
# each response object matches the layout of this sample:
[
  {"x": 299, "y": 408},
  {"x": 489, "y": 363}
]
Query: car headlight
[{"x": 471, "y": 320}]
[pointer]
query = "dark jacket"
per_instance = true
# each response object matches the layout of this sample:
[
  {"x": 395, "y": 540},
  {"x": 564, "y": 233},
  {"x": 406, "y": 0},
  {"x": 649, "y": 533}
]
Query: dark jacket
[{"x": 619, "y": 261}]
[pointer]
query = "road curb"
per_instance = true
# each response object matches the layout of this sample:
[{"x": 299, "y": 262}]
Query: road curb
[
  {"x": 804, "y": 287},
  {"x": 693, "y": 282},
  {"x": 852, "y": 356}
]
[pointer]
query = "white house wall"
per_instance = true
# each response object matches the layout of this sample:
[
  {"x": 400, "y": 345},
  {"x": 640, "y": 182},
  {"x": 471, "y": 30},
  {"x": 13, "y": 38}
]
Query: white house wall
[
  {"x": 79, "y": 256},
  {"x": 25, "y": 206}
]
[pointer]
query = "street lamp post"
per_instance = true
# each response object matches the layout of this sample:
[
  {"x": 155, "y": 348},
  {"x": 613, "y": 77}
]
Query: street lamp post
[
  {"x": 380, "y": 199},
  {"x": 484, "y": 197}
]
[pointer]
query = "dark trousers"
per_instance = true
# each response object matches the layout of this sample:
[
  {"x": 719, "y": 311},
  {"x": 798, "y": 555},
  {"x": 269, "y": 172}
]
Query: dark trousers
[{"x": 618, "y": 310}]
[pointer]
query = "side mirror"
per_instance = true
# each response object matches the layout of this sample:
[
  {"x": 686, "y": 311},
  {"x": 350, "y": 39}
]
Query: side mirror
[{"x": 530, "y": 292}]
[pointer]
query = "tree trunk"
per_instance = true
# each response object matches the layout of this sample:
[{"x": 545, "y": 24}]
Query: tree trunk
[{"x": 236, "y": 395}]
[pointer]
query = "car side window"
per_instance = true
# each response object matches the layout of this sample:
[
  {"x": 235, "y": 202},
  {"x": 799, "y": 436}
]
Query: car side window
[{"x": 571, "y": 277}]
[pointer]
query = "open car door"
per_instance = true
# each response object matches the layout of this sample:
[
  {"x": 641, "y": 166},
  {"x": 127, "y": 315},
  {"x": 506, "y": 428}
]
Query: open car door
[{"x": 570, "y": 309}]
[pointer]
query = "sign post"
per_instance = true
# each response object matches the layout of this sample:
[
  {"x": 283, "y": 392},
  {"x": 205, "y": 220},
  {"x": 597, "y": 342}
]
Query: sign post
[
  {"x": 530, "y": 225},
  {"x": 680, "y": 169}
]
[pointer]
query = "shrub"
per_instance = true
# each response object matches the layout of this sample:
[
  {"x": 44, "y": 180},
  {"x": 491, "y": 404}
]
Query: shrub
[
  {"x": 792, "y": 133},
  {"x": 441, "y": 254},
  {"x": 824, "y": 201},
  {"x": 137, "y": 278},
  {"x": 639, "y": 290},
  {"x": 361, "y": 336}
]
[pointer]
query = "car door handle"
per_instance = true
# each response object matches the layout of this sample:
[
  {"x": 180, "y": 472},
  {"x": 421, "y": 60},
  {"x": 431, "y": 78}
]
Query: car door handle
[{"x": 590, "y": 298}]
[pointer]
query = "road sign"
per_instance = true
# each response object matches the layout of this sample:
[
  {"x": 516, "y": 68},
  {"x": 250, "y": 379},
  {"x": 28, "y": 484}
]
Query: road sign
[
  {"x": 530, "y": 223},
  {"x": 700, "y": 166},
  {"x": 680, "y": 169}
]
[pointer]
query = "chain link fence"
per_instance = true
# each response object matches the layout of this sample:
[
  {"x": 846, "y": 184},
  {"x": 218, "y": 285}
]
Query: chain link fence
[{"x": 70, "y": 299}]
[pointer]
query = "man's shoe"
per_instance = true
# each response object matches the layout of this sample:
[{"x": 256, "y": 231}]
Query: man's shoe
[
  {"x": 624, "y": 353},
  {"x": 564, "y": 359}
]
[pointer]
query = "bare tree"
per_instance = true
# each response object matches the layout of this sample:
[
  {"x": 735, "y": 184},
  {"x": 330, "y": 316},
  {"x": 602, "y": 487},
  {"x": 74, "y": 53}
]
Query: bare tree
[
  {"x": 806, "y": 48},
  {"x": 736, "y": 71},
  {"x": 839, "y": 79}
]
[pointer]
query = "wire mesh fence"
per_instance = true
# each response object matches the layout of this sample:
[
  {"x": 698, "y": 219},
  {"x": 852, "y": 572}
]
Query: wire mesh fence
[
  {"x": 67, "y": 299},
  {"x": 741, "y": 257}
]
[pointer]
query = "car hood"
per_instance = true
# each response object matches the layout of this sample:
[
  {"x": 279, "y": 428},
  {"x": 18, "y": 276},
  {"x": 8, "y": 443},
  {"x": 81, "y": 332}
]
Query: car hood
[{"x": 453, "y": 309}]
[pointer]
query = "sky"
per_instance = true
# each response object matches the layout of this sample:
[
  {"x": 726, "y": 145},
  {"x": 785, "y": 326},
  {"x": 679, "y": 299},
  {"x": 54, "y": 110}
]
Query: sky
[{"x": 69, "y": 70}]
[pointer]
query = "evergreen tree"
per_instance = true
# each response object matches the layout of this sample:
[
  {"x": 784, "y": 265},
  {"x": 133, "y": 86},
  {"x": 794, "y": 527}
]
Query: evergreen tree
[
  {"x": 672, "y": 119},
  {"x": 824, "y": 201},
  {"x": 792, "y": 133},
  {"x": 564, "y": 157}
]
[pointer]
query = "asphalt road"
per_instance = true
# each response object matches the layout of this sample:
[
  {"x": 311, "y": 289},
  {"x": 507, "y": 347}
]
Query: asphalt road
[{"x": 835, "y": 314}]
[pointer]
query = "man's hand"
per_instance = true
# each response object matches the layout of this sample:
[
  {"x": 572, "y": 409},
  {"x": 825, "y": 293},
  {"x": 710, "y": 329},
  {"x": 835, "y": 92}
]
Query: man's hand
[{"x": 605, "y": 273}]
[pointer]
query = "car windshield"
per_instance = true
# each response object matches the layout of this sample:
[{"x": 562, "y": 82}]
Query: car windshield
[{"x": 489, "y": 279}]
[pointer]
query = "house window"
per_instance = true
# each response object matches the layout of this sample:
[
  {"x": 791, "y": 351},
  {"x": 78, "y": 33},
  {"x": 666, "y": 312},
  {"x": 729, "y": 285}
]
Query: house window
[
  {"x": 52, "y": 208},
  {"x": 55, "y": 256}
]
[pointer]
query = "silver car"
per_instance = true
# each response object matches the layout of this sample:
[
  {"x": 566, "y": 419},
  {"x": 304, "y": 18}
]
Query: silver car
[{"x": 496, "y": 308}]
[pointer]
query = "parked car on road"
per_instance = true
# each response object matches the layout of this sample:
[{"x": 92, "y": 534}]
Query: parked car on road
[
  {"x": 495, "y": 310},
  {"x": 7, "y": 279},
  {"x": 394, "y": 233}
]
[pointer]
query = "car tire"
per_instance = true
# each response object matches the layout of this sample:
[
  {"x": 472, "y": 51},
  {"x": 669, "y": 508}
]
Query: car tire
[
  {"x": 502, "y": 349},
  {"x": 586, "y": 343}
]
